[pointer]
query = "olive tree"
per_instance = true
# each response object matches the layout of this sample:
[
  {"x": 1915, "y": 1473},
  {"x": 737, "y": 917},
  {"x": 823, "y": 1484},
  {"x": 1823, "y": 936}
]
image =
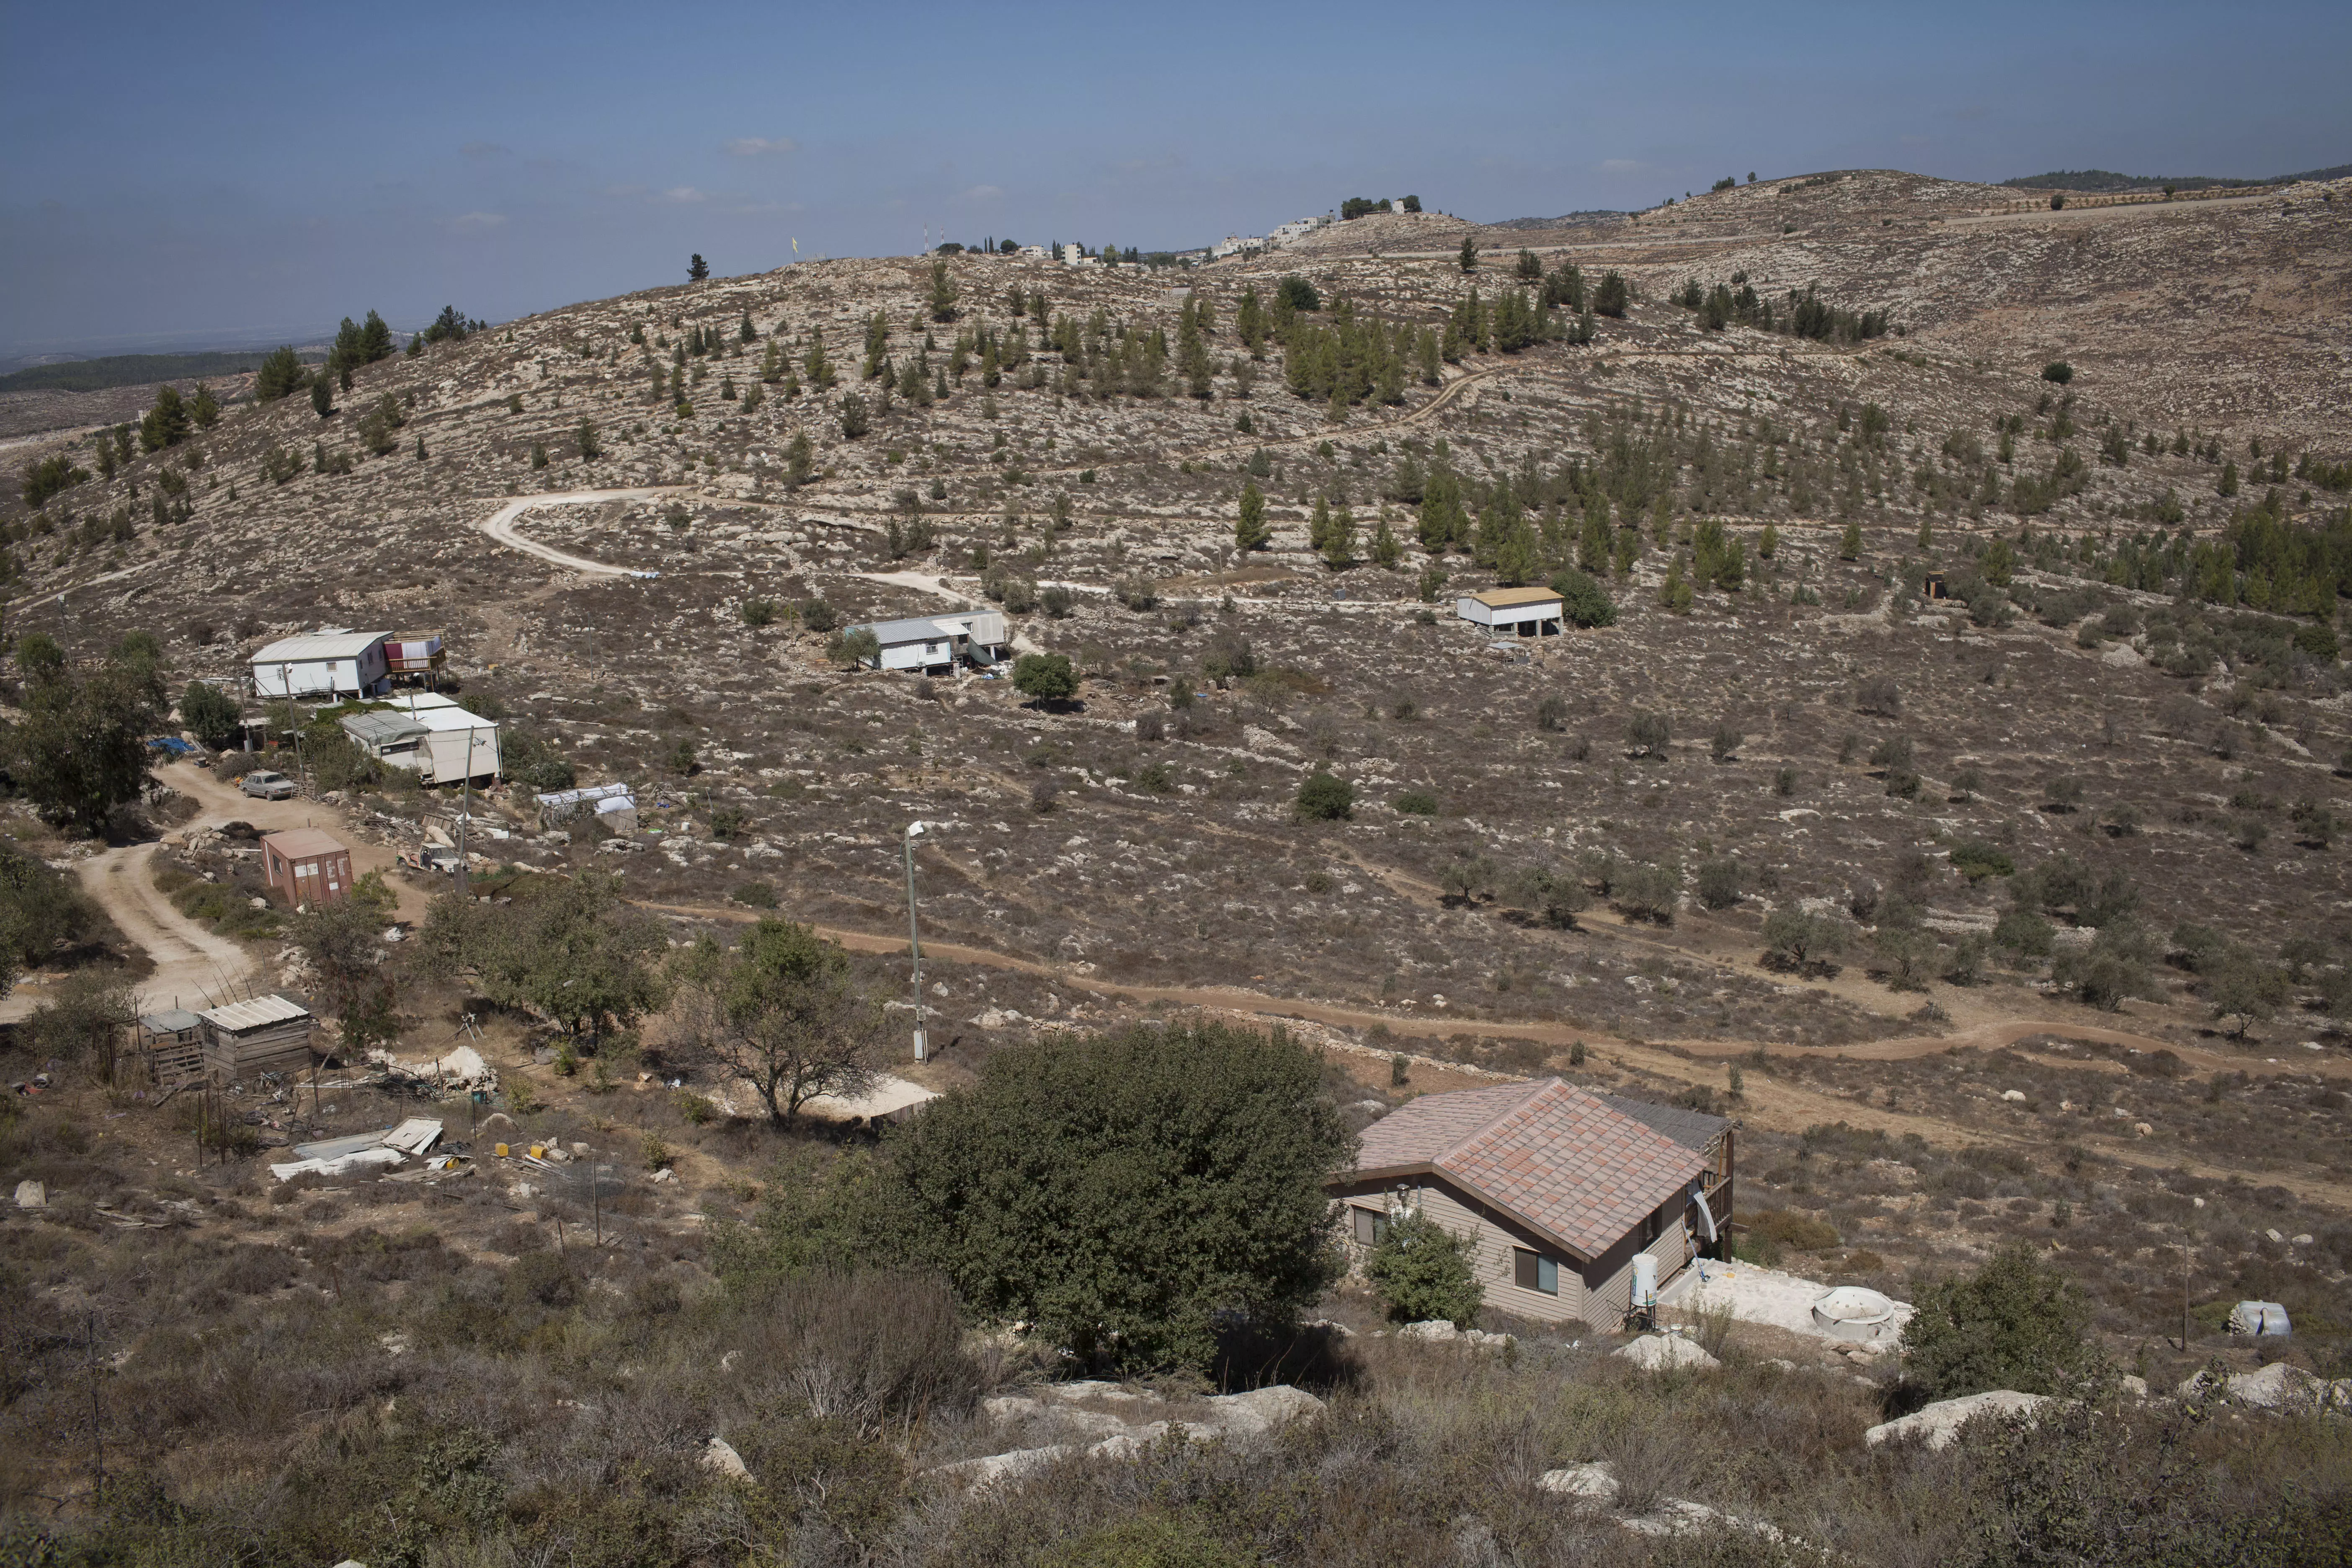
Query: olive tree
[{"x": 780, "y": 1010}]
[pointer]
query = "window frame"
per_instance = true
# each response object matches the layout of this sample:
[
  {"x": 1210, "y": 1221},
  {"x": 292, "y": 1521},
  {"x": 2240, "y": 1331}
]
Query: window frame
[
  {"x": 1528, "y": 1267},
  {"x": 1368, "y": 1223}
]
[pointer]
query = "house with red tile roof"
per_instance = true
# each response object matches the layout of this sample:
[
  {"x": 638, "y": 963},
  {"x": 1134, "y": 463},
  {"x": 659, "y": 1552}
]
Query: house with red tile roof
[{"x": 1555, "y": 1188}]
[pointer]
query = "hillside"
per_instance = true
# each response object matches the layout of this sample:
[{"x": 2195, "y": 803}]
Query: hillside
[{"x": 2067, "y": 833}]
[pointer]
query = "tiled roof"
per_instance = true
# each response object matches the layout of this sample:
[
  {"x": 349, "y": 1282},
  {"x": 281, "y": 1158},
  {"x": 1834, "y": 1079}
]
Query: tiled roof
[
  {"x": 1691, "y": 1129},
  {"x": 1557, "y": 1158}
]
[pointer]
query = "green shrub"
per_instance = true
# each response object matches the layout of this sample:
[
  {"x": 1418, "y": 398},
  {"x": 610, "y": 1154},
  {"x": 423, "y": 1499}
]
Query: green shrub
[
  {"x": 1976, "y": 859},
  {"x": 1796, "y": 1232},
  {"x": 2016, "y": 1322},
  {"x": 1423, "y": 1271},
  {"x": 1326, "y": 798},
  {"x": 1417, "y": 803}
]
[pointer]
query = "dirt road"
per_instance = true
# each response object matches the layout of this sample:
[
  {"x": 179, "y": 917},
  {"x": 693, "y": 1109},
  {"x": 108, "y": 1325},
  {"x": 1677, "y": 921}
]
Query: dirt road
[
  {"x": 501, "y": 525},
  {"x": 193, "y": 963}
]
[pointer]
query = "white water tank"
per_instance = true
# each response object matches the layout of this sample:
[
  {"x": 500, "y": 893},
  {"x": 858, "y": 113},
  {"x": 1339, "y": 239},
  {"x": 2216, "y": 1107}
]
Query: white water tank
[{"x": 1646, "y": 1281}]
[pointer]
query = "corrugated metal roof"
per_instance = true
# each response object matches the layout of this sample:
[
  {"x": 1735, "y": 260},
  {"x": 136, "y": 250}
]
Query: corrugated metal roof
[
  {"x": 890, "y": 633},
  {"x": 1512, "y": 598},
  {"x": 380, "y": 728},
  {"x": 302, "y": 843},
  {"x": 315, "y": 646},
  {"x": 259, "y": 1013},
  {"x": 1691, "y": 1129},
  {"x": 451, "y": 719}
]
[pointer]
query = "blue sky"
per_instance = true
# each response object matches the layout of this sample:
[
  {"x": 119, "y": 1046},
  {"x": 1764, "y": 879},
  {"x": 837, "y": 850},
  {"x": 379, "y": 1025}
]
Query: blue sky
[{"x": 231, "y": 172}]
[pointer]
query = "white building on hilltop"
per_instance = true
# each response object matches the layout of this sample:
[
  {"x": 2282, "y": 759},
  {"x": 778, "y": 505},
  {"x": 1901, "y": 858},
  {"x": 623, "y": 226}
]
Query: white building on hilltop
[
  {"x": 1296, "y": 229},
  {"x": 1237, "y": 244}
]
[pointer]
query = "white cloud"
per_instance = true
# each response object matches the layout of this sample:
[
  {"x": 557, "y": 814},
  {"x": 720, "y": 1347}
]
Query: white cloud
[
  {"x": 981, "y": 193},
  {"x": 757, "y": 146},
  {"x": 478, "y": 223},
  {"x": 685, "y": 193}
]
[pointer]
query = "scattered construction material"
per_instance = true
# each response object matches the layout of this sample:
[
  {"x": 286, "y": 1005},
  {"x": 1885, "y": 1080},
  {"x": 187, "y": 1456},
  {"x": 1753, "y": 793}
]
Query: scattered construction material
[
  {"x": 361, "y": 1151},
  {"x": 172, "y": 1040}
]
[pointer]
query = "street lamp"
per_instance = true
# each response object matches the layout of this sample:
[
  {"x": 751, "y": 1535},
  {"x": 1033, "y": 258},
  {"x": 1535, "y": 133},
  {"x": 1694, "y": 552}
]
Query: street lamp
[{"x": 915, "y": 936}]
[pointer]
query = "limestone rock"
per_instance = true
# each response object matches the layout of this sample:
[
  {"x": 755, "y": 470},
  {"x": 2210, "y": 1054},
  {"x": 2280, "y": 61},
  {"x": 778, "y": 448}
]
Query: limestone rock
[
  {"x": 32, "y": 1195},
  {"x": 1593, "y": 1481},
  {"x": 719, "y": 1456},
  {"x": 1940, "y": 1422},
  {"x": 1261, "y": 1410},
  {"x": 1655, "y": 1352},
  {"x": 991, "y": 1468}
]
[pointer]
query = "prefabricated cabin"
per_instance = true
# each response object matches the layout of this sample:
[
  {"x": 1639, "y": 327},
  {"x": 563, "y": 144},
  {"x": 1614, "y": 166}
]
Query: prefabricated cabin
[
  {"x": 307, "y": 866},
  {"x": 321, "y": 664},
  {"x": 1528, "y": 612},
  {"x": 937, "y": 643}
]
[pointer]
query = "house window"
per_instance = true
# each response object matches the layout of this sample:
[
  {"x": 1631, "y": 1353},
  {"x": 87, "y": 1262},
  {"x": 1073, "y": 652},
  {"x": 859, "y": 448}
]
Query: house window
[
  {"x": 1371, "y": 1226},
  {"x": 1534, "y": 1271}
]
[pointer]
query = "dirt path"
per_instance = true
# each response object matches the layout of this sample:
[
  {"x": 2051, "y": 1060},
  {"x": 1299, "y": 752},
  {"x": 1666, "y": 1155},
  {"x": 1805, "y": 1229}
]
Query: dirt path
[{"x": 500, "y": 525}]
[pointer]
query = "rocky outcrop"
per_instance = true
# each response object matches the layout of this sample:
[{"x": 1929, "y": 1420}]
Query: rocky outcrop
[
  {"x": 1657, "y": 1353},
  {"x": 1939, "y": 1425}
]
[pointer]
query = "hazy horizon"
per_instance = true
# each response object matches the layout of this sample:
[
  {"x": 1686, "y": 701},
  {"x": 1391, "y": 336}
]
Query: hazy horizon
[{"x": 254, "y": 172}]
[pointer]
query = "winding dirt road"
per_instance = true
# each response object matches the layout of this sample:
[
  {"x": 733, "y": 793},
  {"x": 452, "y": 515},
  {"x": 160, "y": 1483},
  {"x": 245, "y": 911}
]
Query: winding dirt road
[{"x": 500, "y": 525}]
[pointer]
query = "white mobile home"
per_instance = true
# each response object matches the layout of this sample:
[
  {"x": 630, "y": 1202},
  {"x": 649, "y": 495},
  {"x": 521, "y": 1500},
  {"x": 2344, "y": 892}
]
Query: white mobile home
[
  {"x": 938, "y": 642},
  {"x": 1529, "y": 612},
  {"x": 321, "y": 664}
]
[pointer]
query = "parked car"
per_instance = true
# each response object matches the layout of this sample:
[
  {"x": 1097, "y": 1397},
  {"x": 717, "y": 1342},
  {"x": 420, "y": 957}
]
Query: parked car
[{"x": 263, "y": 785}]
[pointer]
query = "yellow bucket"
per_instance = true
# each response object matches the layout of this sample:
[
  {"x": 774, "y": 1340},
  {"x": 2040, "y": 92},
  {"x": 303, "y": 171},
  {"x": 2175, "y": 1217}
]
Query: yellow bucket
[
  {"x": 538, "y": 1151},
  {"x": 501, "y": 1151}
]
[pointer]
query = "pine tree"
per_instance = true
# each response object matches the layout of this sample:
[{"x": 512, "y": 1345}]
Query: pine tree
[
  {"x": 1319, "y": 523},
  {"x": 1592, "y": 542},
  {"x": 819, "y": 369},
  {"x": 1613, "y": 294},
  {"x": 943, "y": 293},
  {"x": 1530, "y": 270},
  {"x": 322, "y": 394},
  {"x": 1250, "y": 530},
  {"x": 1850, "y": 543},
  {"x": 1249, "y": 322},
  {"x": 204, "y": 408},
  {"x": 697, "y": 270},
  {"x": 747, "y": 332},
  {"x": 375, "y": 339},
  {"x": 799, "y": 461},
  {"x": 280, "y": 373},
  {"x": 1387, "y": 551},
  {"x": 1516, "y": 560},
  {"x": 772, "y": 363},
  {"x": 1469, "y": 257},
  {"x": 1339, "y": 539}
]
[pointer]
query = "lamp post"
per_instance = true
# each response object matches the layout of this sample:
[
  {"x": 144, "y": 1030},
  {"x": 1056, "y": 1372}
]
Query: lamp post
[{"x": 914, "y": 937}]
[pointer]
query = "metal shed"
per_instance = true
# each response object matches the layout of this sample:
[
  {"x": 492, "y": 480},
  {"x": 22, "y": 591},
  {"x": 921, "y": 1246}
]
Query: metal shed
[
  {"x": 393, "y": 739},
  {"x": 930, "y": 642}
]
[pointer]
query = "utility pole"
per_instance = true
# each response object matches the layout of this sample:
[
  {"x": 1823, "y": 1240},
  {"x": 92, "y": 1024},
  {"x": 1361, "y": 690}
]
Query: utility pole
[
  {"x": 466, "y": 814},
  {"x": 96, "y": 1430},
  {"x": 915, "y": 939}
]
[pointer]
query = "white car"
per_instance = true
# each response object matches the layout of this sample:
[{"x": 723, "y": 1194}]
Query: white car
[{"x": 263, "y": 785}]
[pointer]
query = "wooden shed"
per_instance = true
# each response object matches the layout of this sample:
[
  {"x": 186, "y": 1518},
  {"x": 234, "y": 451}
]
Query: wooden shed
[
  {"x": 307, "y": 866},
  {"x": 267, "y": 1034},
  {"x": 172, "y": 1042}
]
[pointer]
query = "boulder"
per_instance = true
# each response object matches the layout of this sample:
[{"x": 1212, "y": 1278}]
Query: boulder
[
  {"x": 718, "y": 1456},
  {"x": 2277, "y": 1386},
  {"x": 1593, "y": 1481},
  {"x": 1656, "y": 1353},
  {"x": 991, "y": 1468},
  {"x": 1940, "y": 1424},
  {"x": 32, "y": 1195},
  {"x": 1438, "y": 1331},
  {"x": 1260, "y": 1410}
]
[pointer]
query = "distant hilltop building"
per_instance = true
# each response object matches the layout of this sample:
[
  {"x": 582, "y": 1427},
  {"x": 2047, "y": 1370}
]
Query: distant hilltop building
[
  {"x": 1237, "y": 244},
  {"x": 1033, "y": 253},
  {"x": 1297, "y": 230},
  {"x": 1075, "y": 256}
]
